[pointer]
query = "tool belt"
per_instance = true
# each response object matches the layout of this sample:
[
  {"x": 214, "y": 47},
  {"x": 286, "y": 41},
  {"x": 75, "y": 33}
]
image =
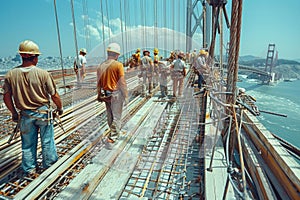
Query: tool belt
[
  {"x": 104, "y": 96},
  {"x": 49, "y": 112}
]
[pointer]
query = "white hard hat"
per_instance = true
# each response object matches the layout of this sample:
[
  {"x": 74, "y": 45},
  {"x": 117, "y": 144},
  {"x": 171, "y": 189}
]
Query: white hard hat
[
  {"x": 28, "y": 47},
  {"x": 83, "y": 50},
  {"x": 114, "y": 47}
]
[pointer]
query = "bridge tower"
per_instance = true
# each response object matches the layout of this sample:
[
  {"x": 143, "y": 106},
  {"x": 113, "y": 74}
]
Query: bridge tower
[
  {"x": 197, "y": 20},
  {"x": 270, "y": 60}
]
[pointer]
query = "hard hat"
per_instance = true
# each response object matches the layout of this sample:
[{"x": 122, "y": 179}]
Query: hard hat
[
  {"x": 202, "y": 52},
  {"x": 146, "y": 51},
  {"x": 181, "y": 54},
  {"x": 83, "y": 50},
  {"x": 138, "y": 50},
  {"x": 28, "y": 48},
  {"x": 155, "y": 50},
  {"x": 114, "y": 47}
]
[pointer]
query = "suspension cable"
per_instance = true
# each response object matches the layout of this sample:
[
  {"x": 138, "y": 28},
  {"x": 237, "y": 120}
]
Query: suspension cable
[
  {"x": 74, "y": 29},
  {"x": 60, "y": 49},
  {"x": 108, "y": 24},
  {"x": 155, "y": 25},
  {"x": 165, "y": 24},
  {"x": 86, "y": 24},
  {"x": 121, "y": 20},
  {"x": 102, "y": 18}
]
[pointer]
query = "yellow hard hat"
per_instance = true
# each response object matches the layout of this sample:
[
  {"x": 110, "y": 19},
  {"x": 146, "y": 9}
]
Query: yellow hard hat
[
  {"x": 202, "y": 52},
  {"x": 28, "y": 48},
  {"x": 155, "y": 50},
  {"x": 138, "y": 50}
]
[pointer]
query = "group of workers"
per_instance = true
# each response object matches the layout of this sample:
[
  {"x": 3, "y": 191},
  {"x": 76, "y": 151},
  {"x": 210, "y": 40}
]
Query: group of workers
[{"x": 29, "y": 92}]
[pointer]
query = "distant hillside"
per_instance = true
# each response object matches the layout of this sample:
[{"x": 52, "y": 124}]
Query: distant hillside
[
  {"x": 261, "y": 62},
  {"x": 285, "y": 69}
]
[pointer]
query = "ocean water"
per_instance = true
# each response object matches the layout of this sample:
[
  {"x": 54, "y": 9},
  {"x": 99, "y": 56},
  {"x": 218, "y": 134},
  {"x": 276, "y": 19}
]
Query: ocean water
[{"x": 281, "y": 98}]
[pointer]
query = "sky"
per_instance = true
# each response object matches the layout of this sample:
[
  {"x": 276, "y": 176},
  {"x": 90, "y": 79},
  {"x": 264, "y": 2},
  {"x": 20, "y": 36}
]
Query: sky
[{"x": 263, "y": 22}]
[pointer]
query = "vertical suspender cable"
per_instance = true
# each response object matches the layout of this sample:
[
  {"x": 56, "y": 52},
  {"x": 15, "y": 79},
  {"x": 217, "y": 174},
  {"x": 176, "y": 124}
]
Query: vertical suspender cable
[
  {"x": 108, "y": 21},
  {"x": 179, "y": 16},
  {"x": 60, "y": 49},
  {"x": 143, "y": 22},
  {"x": 102, "y": 18},
  {"x": 173, "y": 25},
  {"x": 74, "y": 29},
  {"x": 86, "y": 24},
  {"x": 155, "y": 25},
  {"x": 121, "y": 20},
  {"x": 126, "y": 20},
  {"x": 165, "y": 26}
]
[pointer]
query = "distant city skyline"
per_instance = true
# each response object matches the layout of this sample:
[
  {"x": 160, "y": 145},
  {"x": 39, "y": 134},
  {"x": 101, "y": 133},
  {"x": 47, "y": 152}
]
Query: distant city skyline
[{"x": 263, "y": 22}]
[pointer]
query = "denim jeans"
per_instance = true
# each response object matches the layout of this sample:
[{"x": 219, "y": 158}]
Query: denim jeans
[
  {"x": 200, "y": 80},
  {"x": 29, "y": 127},
  {"x": 114, "y": 111}
]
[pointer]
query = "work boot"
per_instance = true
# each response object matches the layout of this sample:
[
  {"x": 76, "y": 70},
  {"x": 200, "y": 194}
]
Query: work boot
[{"x": 150, "y": 88}]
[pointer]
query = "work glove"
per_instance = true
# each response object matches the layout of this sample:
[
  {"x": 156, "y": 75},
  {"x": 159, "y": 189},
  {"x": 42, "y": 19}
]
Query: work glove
[
  {"x": 60, "y": 111},
  {"x": 15, "y": 117}
]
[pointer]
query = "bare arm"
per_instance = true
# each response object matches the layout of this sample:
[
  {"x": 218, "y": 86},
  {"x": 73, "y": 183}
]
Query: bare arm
[
  {"x": 7, "y": 98},
  {"x": 123, "y": 86},
  {"x": 56, "y": 99}
]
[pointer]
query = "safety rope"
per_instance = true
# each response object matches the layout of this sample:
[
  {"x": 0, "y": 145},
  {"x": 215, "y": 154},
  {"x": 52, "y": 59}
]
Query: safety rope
[{"x": 60, "y": 48}]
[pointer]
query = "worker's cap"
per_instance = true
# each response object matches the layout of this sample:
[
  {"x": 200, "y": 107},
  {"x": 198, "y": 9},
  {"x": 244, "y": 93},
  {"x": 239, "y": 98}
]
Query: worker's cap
[
  {"x": 28, "y": 49},
  {"x": 83, "y": 50},
  {"x": 202, "y": 52},
  {"x": 114, "y": 47}
]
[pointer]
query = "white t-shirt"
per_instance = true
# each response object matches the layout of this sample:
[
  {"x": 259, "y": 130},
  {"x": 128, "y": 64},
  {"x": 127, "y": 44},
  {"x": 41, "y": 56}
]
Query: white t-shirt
[{"x": 81, "y": 60}]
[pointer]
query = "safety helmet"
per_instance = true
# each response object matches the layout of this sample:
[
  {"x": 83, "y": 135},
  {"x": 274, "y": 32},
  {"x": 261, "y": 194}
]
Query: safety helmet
[
  {"x": 146, "y": 51},
  {"x": 155, "y": 50},
  {"x": 138, "y": 50},
  {"x": 114, "y": 47},
  {"x": 181, "y": 54},
  {"x": 83, "y": 50},
  {"x": 28, "y": 48},
  {"x": 202, "y": 52}
]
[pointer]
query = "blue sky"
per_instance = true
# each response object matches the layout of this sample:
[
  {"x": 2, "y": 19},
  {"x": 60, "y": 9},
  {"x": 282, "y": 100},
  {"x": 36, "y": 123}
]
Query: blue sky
[{"x": 264, "y": 22}]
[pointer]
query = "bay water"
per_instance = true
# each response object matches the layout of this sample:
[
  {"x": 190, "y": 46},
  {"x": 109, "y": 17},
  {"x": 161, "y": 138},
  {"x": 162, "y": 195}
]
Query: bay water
[{"x": 282, "y": 98}]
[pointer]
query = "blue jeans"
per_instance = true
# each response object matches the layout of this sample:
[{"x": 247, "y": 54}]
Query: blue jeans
[
  {"x": 200, "y": 80},
  {"x": 29, "y": 127}
]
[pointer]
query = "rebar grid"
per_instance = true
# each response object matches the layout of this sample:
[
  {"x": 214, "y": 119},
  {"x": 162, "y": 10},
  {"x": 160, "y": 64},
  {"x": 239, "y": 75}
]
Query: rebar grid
[{"x": 170, "y": 164}]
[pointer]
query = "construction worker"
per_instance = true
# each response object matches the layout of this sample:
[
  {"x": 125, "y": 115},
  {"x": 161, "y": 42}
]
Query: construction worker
[
  {"x": 80, "y": 66},
  {"x": 164, "y": 72},
  {"x": 178, "y": 72},
  {"x": 111, "y": 85},
  {"x": 138, "y": 56},
  {"x": 28, "y": 89},
  {"x": 156, "y": 69},
  {"x": 172, "y": 57},
  {"x": 147, "y": 69},
  {"x": 201, "y": 67}
]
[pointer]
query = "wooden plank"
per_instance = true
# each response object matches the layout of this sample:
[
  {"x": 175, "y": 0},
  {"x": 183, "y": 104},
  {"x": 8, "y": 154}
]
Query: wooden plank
[
  {"x": 282, "y": 164},
  {"x": 264, "y": 189},
  {"x": 87, "y": 181}
]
